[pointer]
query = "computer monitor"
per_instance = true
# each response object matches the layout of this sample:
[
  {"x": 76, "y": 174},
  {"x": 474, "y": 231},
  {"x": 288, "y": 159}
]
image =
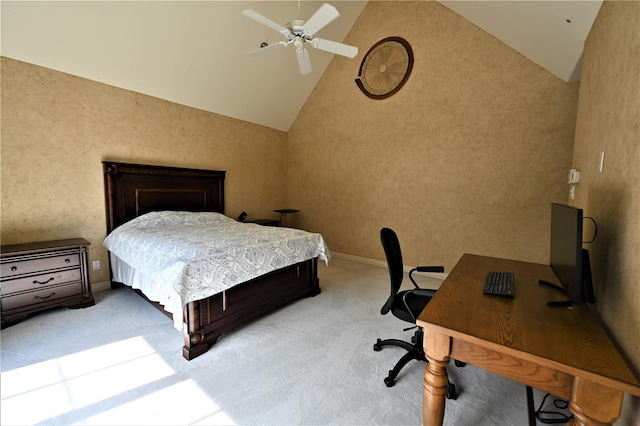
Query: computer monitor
[{"x": 569, "y": 261}]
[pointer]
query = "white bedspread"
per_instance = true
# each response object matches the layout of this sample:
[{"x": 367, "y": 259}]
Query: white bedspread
[{"x": 197, "y": 255}]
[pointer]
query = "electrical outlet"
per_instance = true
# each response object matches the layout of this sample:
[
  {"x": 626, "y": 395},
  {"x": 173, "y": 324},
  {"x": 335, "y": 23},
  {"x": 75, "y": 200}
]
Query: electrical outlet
[{"x": 96, "y": 265}]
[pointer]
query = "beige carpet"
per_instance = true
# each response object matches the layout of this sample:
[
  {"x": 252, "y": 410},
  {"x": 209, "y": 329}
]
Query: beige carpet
[{"x": 311, "y": 362}]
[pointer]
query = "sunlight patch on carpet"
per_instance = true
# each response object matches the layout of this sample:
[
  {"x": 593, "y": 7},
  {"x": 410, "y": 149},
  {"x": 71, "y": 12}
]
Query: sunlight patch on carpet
[{"x": 127, "y": 379}]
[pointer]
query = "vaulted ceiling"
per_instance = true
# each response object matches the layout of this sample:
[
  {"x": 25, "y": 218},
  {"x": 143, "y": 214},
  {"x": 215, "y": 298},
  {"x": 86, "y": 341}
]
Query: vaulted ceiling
[{"x": 193, "y": 52}]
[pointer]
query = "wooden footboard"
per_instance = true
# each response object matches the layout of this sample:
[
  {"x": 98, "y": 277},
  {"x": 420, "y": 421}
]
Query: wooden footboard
[{"x": 205, "y": 320}]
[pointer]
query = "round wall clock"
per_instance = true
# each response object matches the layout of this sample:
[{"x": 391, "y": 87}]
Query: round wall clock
[{"x": 385, "y": 68}]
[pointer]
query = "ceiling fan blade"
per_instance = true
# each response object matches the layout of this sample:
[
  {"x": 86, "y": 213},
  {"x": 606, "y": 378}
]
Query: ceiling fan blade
[
  {"x": 263, "y": 50},
  {"x": 266, "y": 21},
  {"x": 323, "y": 16},
  {"x": 304, "y": 62},
  {"x": 334, "y": 47}
]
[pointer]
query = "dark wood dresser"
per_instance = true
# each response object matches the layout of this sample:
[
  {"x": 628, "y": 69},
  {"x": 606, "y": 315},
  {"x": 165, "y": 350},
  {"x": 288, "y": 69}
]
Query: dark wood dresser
[{"x": 43, "y": 275}]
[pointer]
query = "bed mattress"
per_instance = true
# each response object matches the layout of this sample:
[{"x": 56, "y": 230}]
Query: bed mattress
[{"x": 178, "y": 257}]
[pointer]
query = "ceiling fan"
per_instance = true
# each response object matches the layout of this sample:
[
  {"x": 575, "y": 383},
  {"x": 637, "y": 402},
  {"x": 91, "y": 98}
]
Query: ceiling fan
[{"x": 301, "y": 33}]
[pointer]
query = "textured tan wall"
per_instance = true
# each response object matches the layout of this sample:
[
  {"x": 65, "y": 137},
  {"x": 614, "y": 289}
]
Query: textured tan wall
[
  {"x": 609, "y": 121},
  {"x": 57, "y": 128},
  {"x": 467, "y": 157}
]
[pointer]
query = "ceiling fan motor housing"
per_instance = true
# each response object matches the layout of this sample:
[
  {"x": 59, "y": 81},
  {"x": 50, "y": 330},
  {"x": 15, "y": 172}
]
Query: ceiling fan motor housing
[{"x": 298, "y": 30}]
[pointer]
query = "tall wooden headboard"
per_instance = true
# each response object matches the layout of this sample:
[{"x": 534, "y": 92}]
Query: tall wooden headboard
[{"x": 134, "y": 189}]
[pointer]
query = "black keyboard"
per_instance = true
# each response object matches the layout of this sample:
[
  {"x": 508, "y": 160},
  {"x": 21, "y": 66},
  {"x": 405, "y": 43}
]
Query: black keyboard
[{"x": 499, "y": 284}]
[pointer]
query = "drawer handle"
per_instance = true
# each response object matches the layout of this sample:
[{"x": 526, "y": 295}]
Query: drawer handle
[
  {"x": 53, "y": 293},
  {"x": 47, "y": 281},
  {"x": 67, "y": 261},
  {"x": 14, "y": 268}
]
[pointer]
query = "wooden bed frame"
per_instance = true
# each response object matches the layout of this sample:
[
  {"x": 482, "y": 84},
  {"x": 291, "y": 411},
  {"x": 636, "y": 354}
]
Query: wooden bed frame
[{"x": 135, "y": 189}]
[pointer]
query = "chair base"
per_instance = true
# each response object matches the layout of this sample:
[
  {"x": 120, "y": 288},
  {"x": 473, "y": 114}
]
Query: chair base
[
  {"x": 412, "y": 353},
  {"x": 415, "y": 351}
]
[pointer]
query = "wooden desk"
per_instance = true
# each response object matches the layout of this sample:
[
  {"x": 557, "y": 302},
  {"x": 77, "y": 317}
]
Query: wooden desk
[{"x": 563, "y": 351}]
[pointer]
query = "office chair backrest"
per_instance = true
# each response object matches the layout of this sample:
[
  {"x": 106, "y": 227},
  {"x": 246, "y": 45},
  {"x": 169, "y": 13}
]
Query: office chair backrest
[{"x": 391, "y": 247}]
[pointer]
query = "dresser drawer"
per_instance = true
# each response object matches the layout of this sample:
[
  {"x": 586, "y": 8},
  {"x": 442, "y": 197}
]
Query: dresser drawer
[
  {"x": 35, "y": 282},
  {"x": 23, "y": 265},
  {"x": 40, "y": 296}
]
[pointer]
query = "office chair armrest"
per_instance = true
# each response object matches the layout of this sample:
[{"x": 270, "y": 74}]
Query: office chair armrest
[
  {"x": 430, "y": 268},
  {"x": 424, "y": 269},
  {"x": 424, "y": 292},
  {"x": 421, "y": 292}
]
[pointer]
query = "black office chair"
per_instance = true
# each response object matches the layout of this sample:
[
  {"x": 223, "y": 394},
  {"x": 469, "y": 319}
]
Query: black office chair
[{"x": 405, "y": 305}]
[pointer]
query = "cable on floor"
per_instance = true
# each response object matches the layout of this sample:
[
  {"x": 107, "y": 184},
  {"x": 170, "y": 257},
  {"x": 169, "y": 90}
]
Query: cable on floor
[{"x": 551, "y": 417}]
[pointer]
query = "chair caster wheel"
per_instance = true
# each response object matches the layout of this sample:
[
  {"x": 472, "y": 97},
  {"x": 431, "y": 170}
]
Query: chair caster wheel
[
  {"x": 376, "y": 346},
  {"x": 451, "y": 391},
  {"x": 389, "y": 382}
]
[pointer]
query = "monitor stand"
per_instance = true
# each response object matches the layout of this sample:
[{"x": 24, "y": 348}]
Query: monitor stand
[
  {"x": 559, "y": 303},
  {"x": 587, "y": 281}
]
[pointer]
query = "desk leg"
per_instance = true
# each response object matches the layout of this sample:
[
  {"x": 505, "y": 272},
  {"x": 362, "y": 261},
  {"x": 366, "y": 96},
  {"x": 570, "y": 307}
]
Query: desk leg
[
  {"x": 437, "y": 349},
  {"x": 594, "y": 404}
]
